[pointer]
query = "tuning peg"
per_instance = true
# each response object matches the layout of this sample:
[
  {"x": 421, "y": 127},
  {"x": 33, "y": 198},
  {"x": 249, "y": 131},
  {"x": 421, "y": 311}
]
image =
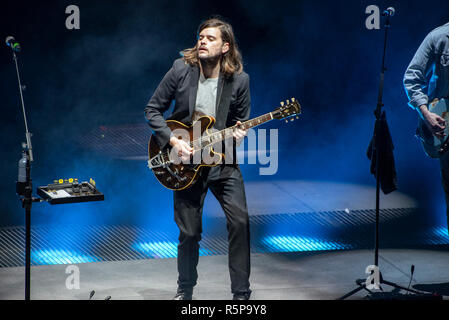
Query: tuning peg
[
  {"x": 282, "y": 103},
  {"x": 293, "y": 99},
  {"x": 288, "y": 102},
  {"x": 291, "y": 120},
  {"x": 286, "y": 120},
  {"x": 297, "y": 117}
]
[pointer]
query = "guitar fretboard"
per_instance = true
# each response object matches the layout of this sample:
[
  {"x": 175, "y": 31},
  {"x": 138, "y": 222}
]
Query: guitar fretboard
[{"x": 224, "y": 134}]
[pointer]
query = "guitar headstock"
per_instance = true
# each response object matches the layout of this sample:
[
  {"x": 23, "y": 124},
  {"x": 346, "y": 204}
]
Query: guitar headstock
[{"x": 289, "y": 109}]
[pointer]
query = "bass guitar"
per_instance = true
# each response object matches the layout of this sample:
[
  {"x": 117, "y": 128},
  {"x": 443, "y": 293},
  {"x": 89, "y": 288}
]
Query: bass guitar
[{"x": 433, "y": 146}]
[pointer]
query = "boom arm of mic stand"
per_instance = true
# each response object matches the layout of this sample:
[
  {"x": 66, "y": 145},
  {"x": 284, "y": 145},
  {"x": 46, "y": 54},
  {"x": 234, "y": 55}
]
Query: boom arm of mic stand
[{"x": 27, "y": 133}]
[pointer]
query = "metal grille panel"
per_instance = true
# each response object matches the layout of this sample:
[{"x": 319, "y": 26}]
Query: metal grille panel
[{"x": 318, "y": 231}]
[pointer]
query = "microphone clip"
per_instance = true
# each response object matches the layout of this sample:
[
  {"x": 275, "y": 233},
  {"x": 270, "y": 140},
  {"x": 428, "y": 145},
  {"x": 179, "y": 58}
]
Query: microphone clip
[{"x": 13, "y": 44}]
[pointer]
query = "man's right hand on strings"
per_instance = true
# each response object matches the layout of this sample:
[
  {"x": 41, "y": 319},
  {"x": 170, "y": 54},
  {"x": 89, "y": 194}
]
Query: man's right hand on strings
[
  {"x": 434, "y": 122},
  {"x": 181, "y": 149}
]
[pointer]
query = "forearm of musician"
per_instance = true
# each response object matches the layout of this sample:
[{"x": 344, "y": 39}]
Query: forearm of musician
[{"x": 423, "y": 110}]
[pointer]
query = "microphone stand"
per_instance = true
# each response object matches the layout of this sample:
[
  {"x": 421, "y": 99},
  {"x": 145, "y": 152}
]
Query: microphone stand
[
  {"x": 376, "y": 148},
  {"x": 25, "y": 189}
]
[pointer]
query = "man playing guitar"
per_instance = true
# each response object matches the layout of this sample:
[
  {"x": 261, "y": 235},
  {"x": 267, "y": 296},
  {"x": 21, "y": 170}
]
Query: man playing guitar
[
  {"x": 207, "y": 80},
  {"x": 427, "y": 79}
]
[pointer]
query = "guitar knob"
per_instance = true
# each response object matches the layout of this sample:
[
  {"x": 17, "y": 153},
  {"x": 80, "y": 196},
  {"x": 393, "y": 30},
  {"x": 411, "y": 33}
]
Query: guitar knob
[
  {"x": 286, "y": 120},
  {"x": 168, "y": 179}
]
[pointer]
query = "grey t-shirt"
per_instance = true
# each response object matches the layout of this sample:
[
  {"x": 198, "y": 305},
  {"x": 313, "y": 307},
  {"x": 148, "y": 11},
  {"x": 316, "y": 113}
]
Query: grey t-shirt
[{"x": 206, "y": 97}]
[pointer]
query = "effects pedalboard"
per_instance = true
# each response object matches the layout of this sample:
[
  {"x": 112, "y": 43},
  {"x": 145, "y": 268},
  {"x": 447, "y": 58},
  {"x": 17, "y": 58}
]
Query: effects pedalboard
[{"x": 70, "y": 191}]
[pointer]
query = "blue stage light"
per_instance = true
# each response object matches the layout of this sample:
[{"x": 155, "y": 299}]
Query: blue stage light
[
  {"x": 297, "y": 244},
  {"x": 442, "y": 234},
  {"x": 56, "y": 256},
  {"x": 163, "y": 249}
]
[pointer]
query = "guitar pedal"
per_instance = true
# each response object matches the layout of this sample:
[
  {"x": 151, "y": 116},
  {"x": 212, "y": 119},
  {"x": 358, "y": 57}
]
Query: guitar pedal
[{"x": 70, "y": 191}]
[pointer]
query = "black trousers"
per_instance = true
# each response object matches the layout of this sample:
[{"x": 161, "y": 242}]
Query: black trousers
[
  {"x": 226, "y": 183},
  {"x": 444, "y": 165}
]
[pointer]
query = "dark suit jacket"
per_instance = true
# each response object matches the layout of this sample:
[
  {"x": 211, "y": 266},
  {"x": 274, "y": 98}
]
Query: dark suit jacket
[{"x": 181, "y": 84}]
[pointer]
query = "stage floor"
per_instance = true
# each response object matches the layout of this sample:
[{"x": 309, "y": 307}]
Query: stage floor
[
  {"x": 275, "y": 276},
  {"x": 303, "y": 196},
  {"x": 302, "y": 248}
]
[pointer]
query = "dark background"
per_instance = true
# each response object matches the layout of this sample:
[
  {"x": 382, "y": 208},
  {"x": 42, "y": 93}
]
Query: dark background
[{"x": 103, "y": 75}]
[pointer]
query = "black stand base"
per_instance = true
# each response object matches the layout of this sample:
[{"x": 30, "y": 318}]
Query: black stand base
[{"x": 362, "y": 286}]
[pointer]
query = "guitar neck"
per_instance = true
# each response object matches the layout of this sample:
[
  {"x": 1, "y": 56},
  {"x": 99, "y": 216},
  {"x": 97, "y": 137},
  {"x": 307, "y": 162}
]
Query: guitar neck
[{"x": 224, "y": 134}]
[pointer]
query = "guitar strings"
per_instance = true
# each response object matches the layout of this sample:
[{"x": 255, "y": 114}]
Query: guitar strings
[{"x": 222, "y": 134}]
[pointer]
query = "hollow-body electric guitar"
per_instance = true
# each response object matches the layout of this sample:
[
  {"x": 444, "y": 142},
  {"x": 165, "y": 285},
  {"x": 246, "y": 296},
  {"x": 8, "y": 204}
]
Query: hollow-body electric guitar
[
  {"x": 433, "y": 146},
  {"x": 176, "y": 175}
]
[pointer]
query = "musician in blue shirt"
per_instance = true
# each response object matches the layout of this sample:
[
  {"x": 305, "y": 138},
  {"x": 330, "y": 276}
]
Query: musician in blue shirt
[{"x": 426, "y": 79}]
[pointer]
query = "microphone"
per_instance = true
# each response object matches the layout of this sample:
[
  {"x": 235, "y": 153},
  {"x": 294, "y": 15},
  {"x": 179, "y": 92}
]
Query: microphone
[
  {"x": 389, "y": 12},
  {"x": 13, "y": 44},
  {"x": 412, "y": 270}
]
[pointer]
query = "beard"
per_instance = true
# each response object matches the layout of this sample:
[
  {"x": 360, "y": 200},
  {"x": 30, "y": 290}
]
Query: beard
[{"x": 210, "y": 60}]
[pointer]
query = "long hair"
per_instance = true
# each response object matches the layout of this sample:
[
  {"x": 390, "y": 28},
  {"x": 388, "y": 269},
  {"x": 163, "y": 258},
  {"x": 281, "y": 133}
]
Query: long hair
[{"x": 231, "y": 61}]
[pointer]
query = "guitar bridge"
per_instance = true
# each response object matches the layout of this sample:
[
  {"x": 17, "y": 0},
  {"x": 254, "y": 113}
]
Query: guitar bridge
[{"x": 158, "y": 161}]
